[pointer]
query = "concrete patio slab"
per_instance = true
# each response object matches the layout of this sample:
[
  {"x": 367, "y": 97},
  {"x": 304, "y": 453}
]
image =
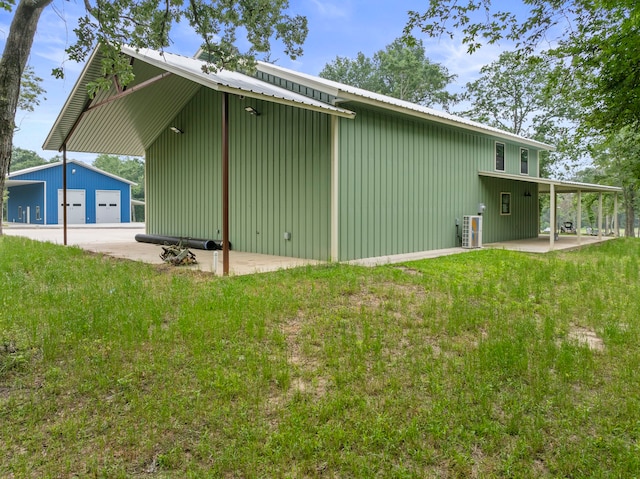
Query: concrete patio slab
[
  {"x": 118, "y": 240},
  {"x": 541, "y": 243}
]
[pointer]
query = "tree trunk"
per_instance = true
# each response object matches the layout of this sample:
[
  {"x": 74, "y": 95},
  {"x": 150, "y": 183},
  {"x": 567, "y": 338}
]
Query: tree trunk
[{"x": 14, "y": 59}]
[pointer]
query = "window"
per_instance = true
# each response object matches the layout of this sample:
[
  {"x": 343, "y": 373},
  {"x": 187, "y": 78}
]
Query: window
[
  {"x": 505, "y": 203},
  {"x": 38, "y": 218},
  {"x": 524, "y": 161},
  {"x": 499, "y": 156}
]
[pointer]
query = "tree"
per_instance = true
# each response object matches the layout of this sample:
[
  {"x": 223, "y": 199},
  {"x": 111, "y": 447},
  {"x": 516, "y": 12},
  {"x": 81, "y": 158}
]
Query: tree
[
  {"x": 618, "y": 156},
  {"x": 131, "y": 169},
  {"x": 595, "y": 45},
  {"x": 399, "y": 71},
  {"x": 21, "y": 159},
  {"x": 142, "y": 24},
  {"x": 514, "y": 94}
]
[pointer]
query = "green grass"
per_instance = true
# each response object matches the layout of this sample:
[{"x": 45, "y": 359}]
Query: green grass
[{"x": 464, "y": 366}]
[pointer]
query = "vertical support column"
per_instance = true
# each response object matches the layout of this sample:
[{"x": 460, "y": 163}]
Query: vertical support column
[
  {"x": 579, "y": 217},
  {"x": 552, "y": 216},
  {"x": 616, "y": 227},
  {"x": 225, "y": 184},
  {"x": 600, "y": 215},
  {"x": 335, "y": 188},
  {"x": 64, "y": 193}
]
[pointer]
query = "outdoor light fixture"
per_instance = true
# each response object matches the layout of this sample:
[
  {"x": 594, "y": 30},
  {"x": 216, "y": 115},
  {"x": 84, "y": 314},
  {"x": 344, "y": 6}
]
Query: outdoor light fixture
[
  {"x": 251, "y": 110},
  {"x": 176, "y": 130},
  {"x": 527, "y": 194}
]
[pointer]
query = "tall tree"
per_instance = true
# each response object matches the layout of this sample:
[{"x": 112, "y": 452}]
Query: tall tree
[
  {"x": 400, "y": 71},
  {"x": 514, "y": 94},
  {"x": 618, "y": 157},
  {"x": 595, "y": 42},
  {"x": 142, "y": 24},
  {"x": 21, "y": 159}
]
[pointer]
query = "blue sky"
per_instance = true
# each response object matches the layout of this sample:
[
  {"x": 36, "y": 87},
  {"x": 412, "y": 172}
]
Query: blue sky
[{"x": 336, "y": 28}]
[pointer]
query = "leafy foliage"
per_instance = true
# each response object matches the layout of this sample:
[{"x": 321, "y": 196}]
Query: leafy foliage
[
  {"x": 514, "y": 94},
  {"x": 30, "y": 90},
  {"x": 21, "y": 159},
  {"x": 400, "y": 71},
  {"x": 595, "y": 45},
  {"x": 147, "y": 24},
  {"x": 618, "y": 159}
]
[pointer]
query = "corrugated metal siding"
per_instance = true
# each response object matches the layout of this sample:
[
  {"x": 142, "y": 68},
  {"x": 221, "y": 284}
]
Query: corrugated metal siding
[
  {"x": 403, "y": 183},
  {"x": 511, "y": 159},
  {"x": 279, "y": 177},
  {"x": 521, "y": 223},
  {"x": 83, "y": 179},
  {"x": 25, "y": 196}
]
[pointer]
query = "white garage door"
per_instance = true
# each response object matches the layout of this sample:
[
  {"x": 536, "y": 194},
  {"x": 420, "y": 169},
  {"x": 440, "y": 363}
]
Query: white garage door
[
  {"x": 76, "y": 207},
  {"x": 107, "y": 206}
]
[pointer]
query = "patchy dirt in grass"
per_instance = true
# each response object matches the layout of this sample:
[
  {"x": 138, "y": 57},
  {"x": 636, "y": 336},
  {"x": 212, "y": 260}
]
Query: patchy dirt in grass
[
  {"x": 411, "y": 271},
  {"x": 587, "y": 337}
]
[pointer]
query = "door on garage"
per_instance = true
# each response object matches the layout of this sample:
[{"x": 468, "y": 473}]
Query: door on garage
[
  {"x": 76, "y": 207},
  {"x": 107, "y": 206}
]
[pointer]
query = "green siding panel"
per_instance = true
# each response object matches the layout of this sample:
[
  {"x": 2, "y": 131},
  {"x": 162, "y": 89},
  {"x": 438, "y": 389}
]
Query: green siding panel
[
  {"x": 522, "y": 223},
  {"x": 279, "y": 166},
  {"x": 404, "y": 182}
]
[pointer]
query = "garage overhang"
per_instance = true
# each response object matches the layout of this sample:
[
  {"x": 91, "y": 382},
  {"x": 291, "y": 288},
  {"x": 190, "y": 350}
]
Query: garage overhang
[
  {"x": 126, "y": 122},
  {"x": 9, "y": 183},
  {"x": 545, "y": 184}
]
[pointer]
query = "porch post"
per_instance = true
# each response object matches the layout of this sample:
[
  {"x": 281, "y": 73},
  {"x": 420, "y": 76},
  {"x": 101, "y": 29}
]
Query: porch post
[
  {"x": 600, "y": 215},
  {"x": 552, "y": 216},
  {"x": 225, "y": 184},
  {"x": 64, "y": 193},
  {"x": 335, "y": 187},
  {"x": 615, "y": 215},
  {"x": 579, "y": 217}
]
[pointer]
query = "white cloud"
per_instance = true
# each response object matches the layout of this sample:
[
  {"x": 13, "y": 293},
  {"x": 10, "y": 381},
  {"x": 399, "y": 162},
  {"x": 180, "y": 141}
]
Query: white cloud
[
  {"x": 329, "y": 9},
  {"x": 453, "y": 55}
]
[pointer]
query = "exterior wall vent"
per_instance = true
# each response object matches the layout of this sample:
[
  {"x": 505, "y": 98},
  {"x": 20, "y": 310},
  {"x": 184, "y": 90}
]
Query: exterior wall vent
[{"x": 472, "y": 232}]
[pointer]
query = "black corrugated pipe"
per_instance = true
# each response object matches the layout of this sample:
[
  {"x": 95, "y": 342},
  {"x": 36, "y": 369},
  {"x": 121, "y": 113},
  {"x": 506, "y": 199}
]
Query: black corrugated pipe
[{"x": 186, "y": 242}]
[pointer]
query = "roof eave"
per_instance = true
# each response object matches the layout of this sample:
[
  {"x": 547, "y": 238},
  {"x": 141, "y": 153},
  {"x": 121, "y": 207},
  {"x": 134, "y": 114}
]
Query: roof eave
[
  {"x": 237, "y": 91},
  {"x": 347, "y": 96}
]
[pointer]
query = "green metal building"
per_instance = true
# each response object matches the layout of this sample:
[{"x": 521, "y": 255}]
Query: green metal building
[{"x": 317, "y": 169}]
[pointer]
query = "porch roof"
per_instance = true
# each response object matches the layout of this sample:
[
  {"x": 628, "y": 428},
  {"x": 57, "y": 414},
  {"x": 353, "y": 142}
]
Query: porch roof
[{"x": 560, "y": 186}]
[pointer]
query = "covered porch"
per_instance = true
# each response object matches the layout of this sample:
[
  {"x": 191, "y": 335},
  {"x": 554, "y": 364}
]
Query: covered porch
[
  {"x": 542, "y": 244},
  {"x": 553, "y": 241}
]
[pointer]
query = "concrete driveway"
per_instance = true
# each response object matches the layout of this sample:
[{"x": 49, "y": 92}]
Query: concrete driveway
[{"x": 118, "y": 240}]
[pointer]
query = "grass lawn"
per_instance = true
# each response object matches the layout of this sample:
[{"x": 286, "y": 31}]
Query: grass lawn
[{"x": 487, "y": 364}]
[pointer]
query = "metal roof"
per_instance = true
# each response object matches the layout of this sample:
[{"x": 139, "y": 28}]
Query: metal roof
[
  {"x": 14, "y": 177},
  {"x": 560, "y": 186},
  {"x": 128, "y": 125},
  {"x": 346, "y": 93}
]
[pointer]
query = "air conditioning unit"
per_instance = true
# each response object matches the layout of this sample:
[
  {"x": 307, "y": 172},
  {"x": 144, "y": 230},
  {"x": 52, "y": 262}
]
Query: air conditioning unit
[{"x": 472, "y": 232}]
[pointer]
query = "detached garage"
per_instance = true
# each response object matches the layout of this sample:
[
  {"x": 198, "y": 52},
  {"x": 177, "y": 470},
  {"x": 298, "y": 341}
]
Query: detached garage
[{"x": 93, "y": 195}]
